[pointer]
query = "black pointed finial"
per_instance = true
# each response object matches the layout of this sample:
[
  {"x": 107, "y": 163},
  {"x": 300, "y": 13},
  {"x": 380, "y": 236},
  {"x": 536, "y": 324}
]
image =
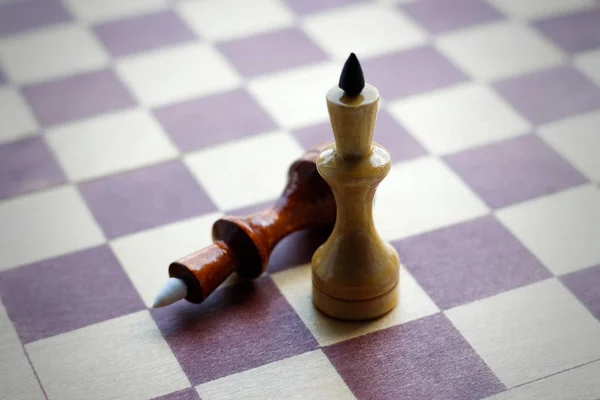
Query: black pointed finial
[{"x": 352, "y": 80}]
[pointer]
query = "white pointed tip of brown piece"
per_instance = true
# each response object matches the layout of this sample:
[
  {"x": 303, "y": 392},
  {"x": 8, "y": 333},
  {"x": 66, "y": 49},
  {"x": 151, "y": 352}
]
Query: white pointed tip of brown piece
[{"x": 173, "y": 290}]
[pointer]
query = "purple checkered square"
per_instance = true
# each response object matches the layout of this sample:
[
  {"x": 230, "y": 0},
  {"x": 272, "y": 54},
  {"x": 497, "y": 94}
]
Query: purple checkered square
[
  {"x": 186, "y": 394},
  {"x": 207, "y": 121},
  {"x": 20, "y": 16},
  {"x": 585, "y": 284},
  {"x": 388, "y": 132},
  {"x": 77, "y": 97},
  {"x": 439, "y": 16},
  {"x": 312, "y": 6},
  {"x": 469, "y": 261},
  {"x": 237, "y": 328},
  {"x": 551, "y": 94},
  {"x": 68, "y": 292},
  {"x": 144, "y": 32},
  {"x": 314, "y": 135},
  {"x": 26, "y": 166},
  {"x": 411, "y": 72},
  {"x": 575, "y": 32},
  {"x": 423, "y": 359},
  {"x": 145, "y": 198},
  {"x": 514, "y": 170},
  {"x": 272, "y": 51}
]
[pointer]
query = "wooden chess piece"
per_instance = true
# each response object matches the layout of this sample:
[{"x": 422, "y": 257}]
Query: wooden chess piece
[
  {"x": 355, "y": 273},
  {"x": 243, "y": 245}
]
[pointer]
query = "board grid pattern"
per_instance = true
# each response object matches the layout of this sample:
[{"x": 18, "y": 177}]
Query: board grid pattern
[{"x": 128, "y": 127}]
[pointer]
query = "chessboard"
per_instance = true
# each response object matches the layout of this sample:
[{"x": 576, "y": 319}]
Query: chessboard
[{"x": 128, "y": 127}]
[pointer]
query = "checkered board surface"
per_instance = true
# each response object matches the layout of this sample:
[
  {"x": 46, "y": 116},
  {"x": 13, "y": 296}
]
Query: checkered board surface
[{"x": 128, "y": 127}]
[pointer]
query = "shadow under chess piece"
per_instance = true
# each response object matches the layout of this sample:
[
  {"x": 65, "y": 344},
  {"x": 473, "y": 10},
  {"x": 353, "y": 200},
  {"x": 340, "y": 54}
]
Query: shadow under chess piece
[{"x": 355, "y": 272}]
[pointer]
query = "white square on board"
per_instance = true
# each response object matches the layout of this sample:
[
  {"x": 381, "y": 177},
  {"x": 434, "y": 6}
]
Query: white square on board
[
  {"x": 17, "y": 119},
  {"x": 125, "y": 357},
  {"x": 423, "y": 195},
  {"x": 221, "y": 20},
  {"x": 177, "y": 73},
  {"x": 458, "y": 118},
  {"x": 17, "y": 379},
  {"x": 505, "y": 330},
  {"x": 538, "y": 9},
  {"x": 247, "y": 171},
  {"x": 306, "y": 376},
  {"x": 109, "y": 144},
  {"x": 499, "y": 50},
  {"x": 589, "y": 64},
  {"x": 296, "y": 286},
  {"x": 45, "y": 224},
  {"x": 296, "y": 98},
  {"x": 145, "y": 256},
  {"x": 365, "y": 29},
  {"x": 581, "y": 383},
  {"x": 51, "y": 53},
  {"x": 578, "y": 140},
  {"x": 101, "y": 11},
  {"x": 562, "y": 229}
]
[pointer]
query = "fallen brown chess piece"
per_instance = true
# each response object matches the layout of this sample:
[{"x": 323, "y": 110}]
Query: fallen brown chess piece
[{"x": 243, "y": 244}]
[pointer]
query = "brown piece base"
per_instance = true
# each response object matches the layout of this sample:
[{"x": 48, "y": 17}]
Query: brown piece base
[{"x": 358, "y": 310}]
